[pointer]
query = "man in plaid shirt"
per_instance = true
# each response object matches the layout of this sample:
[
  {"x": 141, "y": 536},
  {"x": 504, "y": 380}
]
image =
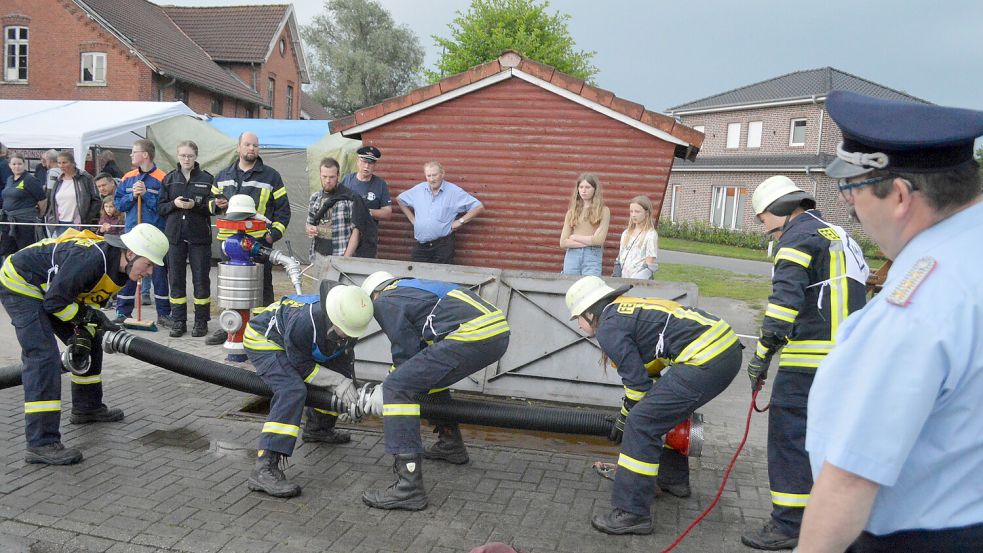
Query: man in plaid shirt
[{"x": 336, "y": 218}]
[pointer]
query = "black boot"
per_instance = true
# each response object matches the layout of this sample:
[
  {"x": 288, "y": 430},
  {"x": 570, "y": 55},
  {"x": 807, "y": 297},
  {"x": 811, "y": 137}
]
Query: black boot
[
  {"x": 216, "y": 338},
  {"x": 200, "y": 329},
  {"x": 102, "y": 414},
  {"x": 769, "y": 538},
  {"x": 622, "y": 522},
  {"x": 449, "y": 446},
  {"x": 178, "y": 329},
  {"x": 268, "y": 476},
  {"x": 53, "y": 454},
  {"x": 678, "y": 490},
  {"x": 406, "y": 492},
  {"x": 320, "y": 428}
]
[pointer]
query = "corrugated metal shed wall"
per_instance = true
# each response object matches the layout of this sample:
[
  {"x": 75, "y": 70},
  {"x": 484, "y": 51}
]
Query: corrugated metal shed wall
[{"x": 518, "y": 148}]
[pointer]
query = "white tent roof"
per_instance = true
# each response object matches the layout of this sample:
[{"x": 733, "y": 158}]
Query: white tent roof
[{"x": 78, "y": 124}]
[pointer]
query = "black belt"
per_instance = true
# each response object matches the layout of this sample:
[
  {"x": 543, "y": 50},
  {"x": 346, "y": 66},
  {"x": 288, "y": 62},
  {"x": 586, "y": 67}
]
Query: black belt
[{"x": 434, "y": 243}]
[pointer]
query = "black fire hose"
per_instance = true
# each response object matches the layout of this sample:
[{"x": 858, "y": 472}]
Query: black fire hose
[
  {"x": 567, "y": 421},
  {"x": 10, "y": 376}
]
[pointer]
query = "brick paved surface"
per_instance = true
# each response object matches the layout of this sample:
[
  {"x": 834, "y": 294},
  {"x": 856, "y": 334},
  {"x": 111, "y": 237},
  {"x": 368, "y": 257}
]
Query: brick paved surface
[{"x": 171, "y": 477}]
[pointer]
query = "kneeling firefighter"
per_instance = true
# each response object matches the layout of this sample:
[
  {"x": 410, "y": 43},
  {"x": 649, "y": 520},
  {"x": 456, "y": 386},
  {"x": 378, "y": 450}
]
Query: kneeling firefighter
[
  {"x": 55, "y": 287},
  {"x": 296, "y": 341},
  {"x": 698, "y": 356},
  {"x": 440, "y": 333}
]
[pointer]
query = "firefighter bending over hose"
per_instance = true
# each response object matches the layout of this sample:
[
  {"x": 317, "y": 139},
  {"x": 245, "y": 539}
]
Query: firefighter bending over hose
[
  {"x": 56, "y": 287},
  {"x": 641, "y": 337},
  {"x": 296, "y": 341},
  {"x": 440, "y": 333}
]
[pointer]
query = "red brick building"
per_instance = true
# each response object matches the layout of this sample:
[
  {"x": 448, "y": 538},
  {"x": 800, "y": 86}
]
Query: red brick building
[
  {"x": 237, "y": 61},
  {"x": 516, "y": 134},
  {"x": 778, "y": 126}
]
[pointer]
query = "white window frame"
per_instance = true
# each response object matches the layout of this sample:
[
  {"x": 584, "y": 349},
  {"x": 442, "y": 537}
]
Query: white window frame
[
  {"x": 94, "y": 57},
  {"x": 718, "y": 209},
  {"x": 733, "y": 132},
  {"x": 791, "y": 131},
  {"x": 12, "y": 73},
  {"x": 672, "y": 202},
  {"x": 754, "y": 129},
  {"x": 700, "y": 128},
  {"x": 270, "y": 96}
]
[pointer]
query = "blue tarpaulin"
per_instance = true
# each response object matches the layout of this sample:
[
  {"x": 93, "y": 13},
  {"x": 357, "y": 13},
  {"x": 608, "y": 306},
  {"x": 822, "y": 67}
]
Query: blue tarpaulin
[{"x": 274, "y": 133}]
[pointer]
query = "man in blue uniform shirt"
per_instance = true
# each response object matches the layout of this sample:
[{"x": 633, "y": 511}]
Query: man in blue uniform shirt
[{"x": 895, "y": 411}]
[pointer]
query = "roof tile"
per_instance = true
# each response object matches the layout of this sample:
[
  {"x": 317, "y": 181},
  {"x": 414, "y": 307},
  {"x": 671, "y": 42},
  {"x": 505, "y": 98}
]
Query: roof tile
[
  {"x": 627, "y": 107},
  {"x": 562, "y": 80},
  {"x": 598, "y": 95},
  {"x": 536, "y": 69},
  {"x": 221, "y": 30},
  {"x": 453, "y": 82}
]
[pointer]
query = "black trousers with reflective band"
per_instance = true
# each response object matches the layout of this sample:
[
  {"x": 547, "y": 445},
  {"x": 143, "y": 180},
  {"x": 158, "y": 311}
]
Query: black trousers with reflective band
[{"x": 965, "y": 539}]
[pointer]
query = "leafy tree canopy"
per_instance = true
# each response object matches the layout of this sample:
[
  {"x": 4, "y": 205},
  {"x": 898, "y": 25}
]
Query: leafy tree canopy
[{"x": 492, "y": 26}]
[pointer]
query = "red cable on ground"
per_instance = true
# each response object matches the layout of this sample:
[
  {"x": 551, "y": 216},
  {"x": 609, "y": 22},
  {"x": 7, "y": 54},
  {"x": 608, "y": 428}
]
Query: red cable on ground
[{"x": 747, "y": 429}]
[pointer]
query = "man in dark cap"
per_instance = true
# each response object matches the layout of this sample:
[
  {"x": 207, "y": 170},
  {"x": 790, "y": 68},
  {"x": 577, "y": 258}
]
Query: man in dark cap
[
  {"x": 894, "y": 413},
  {"x": 375, "y": 193}
]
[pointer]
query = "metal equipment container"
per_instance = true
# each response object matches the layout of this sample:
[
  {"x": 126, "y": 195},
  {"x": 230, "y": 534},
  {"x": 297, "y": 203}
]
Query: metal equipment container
[{"x": 240, "y": 286}]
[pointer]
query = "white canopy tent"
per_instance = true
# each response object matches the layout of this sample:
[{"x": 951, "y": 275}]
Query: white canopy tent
[{"x": 79, "y": 124}]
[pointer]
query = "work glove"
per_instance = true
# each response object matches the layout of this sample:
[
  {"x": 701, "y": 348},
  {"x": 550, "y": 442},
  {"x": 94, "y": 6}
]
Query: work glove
[
  {"x": 374, "y": 406},
  {"x": 618, "y": 430},
  {"x": 757, "y": 371},
  {"x": 340, "y": 385},
  {"x": 94, "y": 319},
  {"x": 77, "y": 356}
]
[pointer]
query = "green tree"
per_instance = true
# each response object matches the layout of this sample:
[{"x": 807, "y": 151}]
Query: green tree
[
  {"x": 359, "y": 56},
  {"x": 493, "y": 26}
]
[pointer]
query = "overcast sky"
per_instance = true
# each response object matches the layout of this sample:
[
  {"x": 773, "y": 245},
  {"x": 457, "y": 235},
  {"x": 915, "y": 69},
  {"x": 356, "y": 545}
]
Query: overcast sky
[{"x": 662, "y": 54}]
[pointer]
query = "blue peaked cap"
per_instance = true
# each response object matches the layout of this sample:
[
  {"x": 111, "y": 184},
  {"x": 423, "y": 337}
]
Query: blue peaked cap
[{"x": 897, "y": 135}]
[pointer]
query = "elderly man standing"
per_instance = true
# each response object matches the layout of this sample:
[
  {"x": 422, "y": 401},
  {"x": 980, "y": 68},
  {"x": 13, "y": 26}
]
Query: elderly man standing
[
  {"x": 249, "y": 175},
  {"x": 433, "y": 208},
  {"x": 895, "y": 411},
  {"x": 374, "y": 192}
]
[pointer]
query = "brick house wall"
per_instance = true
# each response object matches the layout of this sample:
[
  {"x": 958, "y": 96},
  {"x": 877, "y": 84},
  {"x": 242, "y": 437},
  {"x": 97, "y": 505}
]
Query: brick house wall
[
  {"x": 58, "y": 33},
  {"x": 689, "y": 193},
  {"x": 283, "y": 69}
]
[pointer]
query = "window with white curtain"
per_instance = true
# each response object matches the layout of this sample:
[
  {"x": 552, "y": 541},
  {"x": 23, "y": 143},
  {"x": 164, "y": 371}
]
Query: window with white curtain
[
  {"x": 754, "y": 134},
  {"x": 733, "y": 135},
  {"x": 93, "y": 67},
  {"x": 727, "y": 207}
]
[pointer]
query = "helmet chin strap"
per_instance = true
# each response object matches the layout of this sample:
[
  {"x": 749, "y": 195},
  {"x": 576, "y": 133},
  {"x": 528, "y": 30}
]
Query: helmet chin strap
[{"x": 129, "y": 262}]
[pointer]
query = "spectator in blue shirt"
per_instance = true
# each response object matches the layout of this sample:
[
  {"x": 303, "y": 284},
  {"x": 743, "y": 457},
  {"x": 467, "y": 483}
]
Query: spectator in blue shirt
[{"x": 435, "y": 207}]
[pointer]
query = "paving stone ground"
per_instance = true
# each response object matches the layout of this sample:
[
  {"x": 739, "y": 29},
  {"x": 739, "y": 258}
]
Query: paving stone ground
[{"x": 171, "y": 477}]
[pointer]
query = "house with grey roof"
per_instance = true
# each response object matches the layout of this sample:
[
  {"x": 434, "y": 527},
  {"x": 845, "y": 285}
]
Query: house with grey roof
[
  {"x": 237, "y": 61},
  {"x": 777, "y": 126}
]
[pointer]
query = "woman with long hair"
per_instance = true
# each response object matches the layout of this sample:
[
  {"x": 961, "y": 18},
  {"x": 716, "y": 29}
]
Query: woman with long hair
[
  {"x": 23, "y": 202},
  {"x": 585, "y": 227},
  {"x": 639, "y": 242},
  {"x": 641, "y": 337},
  {"x": 73, "y": 198}
]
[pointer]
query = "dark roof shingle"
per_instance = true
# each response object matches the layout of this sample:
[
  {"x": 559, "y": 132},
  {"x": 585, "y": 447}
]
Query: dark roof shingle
[
  {"x": 161, "y": 42},
  {"x": 231, "y": 33},
  {"x": 800, "y": 84},
  {"x": 313, "y": 109},
  {"x": 740, "y": 162}
]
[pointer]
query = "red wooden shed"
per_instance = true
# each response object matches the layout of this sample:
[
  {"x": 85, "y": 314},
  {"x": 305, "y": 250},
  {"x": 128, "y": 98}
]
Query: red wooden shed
[{"x": 516, "y": 133}]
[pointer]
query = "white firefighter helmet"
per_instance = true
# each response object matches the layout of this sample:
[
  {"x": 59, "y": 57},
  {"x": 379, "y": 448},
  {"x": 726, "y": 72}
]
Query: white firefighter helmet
[
  {"x": 241, "y": 207},
  {"x": 586, "y": 292},
  {"x": 147, "y": 241},
  {"x": 374, "y": 280},
  {"x": 777, "y": 188},
  {"x": 349, "y": 308}
]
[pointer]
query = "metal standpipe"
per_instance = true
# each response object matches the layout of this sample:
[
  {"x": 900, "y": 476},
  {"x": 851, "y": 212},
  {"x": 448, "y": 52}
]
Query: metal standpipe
[{"x": 240, "y": 288}]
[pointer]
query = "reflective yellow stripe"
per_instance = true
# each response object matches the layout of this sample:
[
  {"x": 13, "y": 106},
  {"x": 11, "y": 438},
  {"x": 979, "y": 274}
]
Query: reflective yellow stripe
[
  {"x": 714, "y": 349},
  {"x": 179, "y": 301},
  {"x": 838, "y": 291},
  {"x": 50, "y": 406},
  {"x": 216, "y": 190},
  {"x": 256, "y": 341},
  {"x": 461, "y": 295},
  {"x": 789, "y": 499},
  {"x": 760, "y": 350},
  {"x": 480, "y": 334},
  {"x": 317, "y": 369},
  {"x": 279, "y": 226},
  {"x": 812, "y": 347},
  {"x": 279, "y": 192},
  {"x": 401, "y": 410},
  {"x": 438, "y": 390},
  {"x": 264, "y": 198},
  {"x": 96, "y": 379},
  {"x": 392, "y": 368},
  {"x": 203, "y": 301},
  {"x": 793, "y": 255},
  {"x": 68, "y": 312},
  {"x": 280, "y": 428},
  {"x": 638, "y": 467},
  {"x": 323, "y": 412},
  {"x": 781, "y": 313},
  {"x": 634, "y": 395},
  {"x": 16, "y": 283}
]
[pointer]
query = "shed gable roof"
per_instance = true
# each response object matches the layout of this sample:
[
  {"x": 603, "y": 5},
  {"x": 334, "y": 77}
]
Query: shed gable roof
[
  {"x": 146, "y": 29},
  {"x": 796, "y": 85},
  {"x": 513, "y": 65}
]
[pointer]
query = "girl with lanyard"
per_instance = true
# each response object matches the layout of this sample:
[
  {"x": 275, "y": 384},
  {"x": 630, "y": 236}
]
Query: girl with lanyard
[
  {"x": 672, "y": 359},
  {"x": 23, "y": 202},
  {"x": 585, "y": 227},
  {"x": 639, "y": 242}
]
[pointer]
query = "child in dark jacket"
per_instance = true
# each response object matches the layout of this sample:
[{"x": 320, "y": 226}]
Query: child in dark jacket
[{"x": 110, "y": 216}]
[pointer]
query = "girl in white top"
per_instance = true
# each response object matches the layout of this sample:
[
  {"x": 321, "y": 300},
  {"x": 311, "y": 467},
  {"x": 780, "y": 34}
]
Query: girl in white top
[
  {"x": 639, "y": 242},
  {"x": 585, "y": 227}
]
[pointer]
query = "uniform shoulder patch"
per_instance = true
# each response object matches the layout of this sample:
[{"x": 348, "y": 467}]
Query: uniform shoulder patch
[
  {"x": 829, "y": 234},
  {"x": 916, "y": 275}
]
